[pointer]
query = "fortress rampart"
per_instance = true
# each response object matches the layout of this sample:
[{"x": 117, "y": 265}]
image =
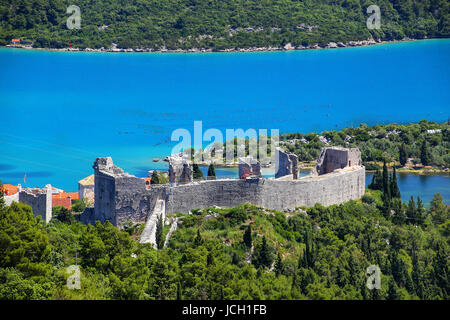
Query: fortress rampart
[{"x": 121, "y": 197}]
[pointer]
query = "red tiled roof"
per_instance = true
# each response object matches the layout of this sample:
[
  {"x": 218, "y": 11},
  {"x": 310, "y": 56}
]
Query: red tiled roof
[
  {"x": 9, "y": 189},
  {"x": 65, "y": 202},
  {"x": 64, "y": 195}
]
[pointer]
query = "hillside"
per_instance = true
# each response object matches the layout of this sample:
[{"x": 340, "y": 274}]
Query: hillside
[
  {"x": 217, "y": 24},
  {"x": 425, "y": 142},
  {"x": 240, "y": 253}
]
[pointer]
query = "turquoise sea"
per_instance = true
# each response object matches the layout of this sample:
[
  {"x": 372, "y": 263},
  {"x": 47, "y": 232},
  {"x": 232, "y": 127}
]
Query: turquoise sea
[{"x": 61, "y": 110}]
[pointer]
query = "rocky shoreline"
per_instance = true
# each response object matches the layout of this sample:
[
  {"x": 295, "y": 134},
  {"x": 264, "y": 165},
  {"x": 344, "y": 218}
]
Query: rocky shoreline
[{"x": 287, "y": 47}]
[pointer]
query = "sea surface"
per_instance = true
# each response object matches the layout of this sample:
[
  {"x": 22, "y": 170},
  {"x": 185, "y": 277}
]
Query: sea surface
[{"x": 61, "y": 110}]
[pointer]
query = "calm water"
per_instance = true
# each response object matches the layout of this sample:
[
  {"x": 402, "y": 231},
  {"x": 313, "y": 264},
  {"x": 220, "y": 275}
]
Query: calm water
[
  {"x": 424, "y": 186},
  {"x": 61, "y": 110}
]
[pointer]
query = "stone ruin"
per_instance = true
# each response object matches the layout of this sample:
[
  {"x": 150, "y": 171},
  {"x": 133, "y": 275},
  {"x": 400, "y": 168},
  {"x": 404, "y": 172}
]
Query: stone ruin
[
  {"x": 39, "y": 199},
  {"x": 249, "y": 167},
  {"x": 180, "y": 171},
  {"x": 286, "y": 164},
  {"x": 333, "y": 158},
  {"x": 120, "y": 197}
]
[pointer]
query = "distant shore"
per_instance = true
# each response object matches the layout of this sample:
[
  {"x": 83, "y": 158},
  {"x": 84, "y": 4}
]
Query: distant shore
[{"x": 287, "y": 47}]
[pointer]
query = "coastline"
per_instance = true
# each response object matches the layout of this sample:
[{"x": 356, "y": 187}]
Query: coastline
[{"x": 287, "y": 47}]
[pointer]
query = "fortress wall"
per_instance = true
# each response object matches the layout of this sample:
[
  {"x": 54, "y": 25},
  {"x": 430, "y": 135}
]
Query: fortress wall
[
  {"x": 223, "y": 193},
  {"x": 133, "y": 202},
  {"x": 120, "y": 197},
  {"x": 105, "y": 192},
  {"x": 333, "y": 188}
]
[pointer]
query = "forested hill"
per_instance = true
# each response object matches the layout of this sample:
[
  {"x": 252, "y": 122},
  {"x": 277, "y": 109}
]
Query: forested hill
[{"x": 217, "y": 24}]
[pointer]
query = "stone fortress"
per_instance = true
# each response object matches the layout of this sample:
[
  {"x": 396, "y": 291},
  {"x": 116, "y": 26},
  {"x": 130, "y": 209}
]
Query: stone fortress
[{"x": 119, "y": 197}]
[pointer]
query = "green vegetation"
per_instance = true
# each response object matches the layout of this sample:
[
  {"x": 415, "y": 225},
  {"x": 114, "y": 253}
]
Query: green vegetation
[
  {"x": 316, "y": 253},
  {"x": 197, "y": 173},
  {"x": 158, "y": 178},
  {"x": 211, "y": 172},
  {"x": 392, "y": 142},
  {"x": 217, "y": 24}
]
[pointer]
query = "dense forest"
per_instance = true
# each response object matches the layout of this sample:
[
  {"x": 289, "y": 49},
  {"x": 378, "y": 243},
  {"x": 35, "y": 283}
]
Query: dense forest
[
  {"x": 217, "y": 24},
  {"x": 427, "y": 142},
  {"x": 245, "y": 252}
]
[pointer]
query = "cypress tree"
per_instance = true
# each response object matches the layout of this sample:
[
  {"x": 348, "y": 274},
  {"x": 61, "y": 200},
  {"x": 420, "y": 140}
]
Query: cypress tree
[
  {"x": 266, "y": 259},
  {"x": 420, "y": 212},
  {"x": 179, "y": 294},
  {"x": 279, "y": 265},
  {"x": 211, "y": 172},
  {"x": 425, "y": 156},
  {"x": 159, "y": 233},
  {"x": 386, "y": 189},
  {"x": 416, "y": 275},
  {"x": 386, "y": 192},
  {"x": 377, "y": 181},
  {"x": 197, "y": 173},
  {"x": 411, "y": 211},
  {"x": 399, "y": 216},
  {"x": 392, "y": 291},
  {"x": 403, "y": 155},
  {"x": 395, "y": 191},
  {"x": 248, "y": 237},
  {"x": 155, "y": 178},
  {"x": 198, "y": 239}
]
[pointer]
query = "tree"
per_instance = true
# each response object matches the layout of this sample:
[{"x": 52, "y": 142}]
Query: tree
[
  {"x": 395, "y": 191},
  {"x": 399, "y": 216},
  {"x": 425, "y": 155},
  {"x": 441, "y": 268},
  {"x": 64, "y": 215},
  {"x": 386, "y": 191},
  {"x": 198, "y": 239},
  {"x": 377, "y": 181},
  {"x": 248, "y": 237},
  {"x": 197, "y": 173},
  {"x": 278, "y": 265},
  {"x": 411, "y": 211},
  {"x": 79, "y": 205},
  {"x": 416, "y": 275},
  {"x": 211, "y": 172},
  {"x": 155, "y": 178},
  {"x": 403, "y": 155},
  {"x": 24, "y": 243},
  {"x": 159, "y": 232},
  {"x": 420, "y": 212},
  {"x": 263, "y": 256},
  {"x": 439, "y": 211},
  {"x": 393, "y": 291}
]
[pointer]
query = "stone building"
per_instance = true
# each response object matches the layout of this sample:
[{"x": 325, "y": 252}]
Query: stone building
[
  {"x": 40, "y": 201},
  {"x": 86, "y": 188}
]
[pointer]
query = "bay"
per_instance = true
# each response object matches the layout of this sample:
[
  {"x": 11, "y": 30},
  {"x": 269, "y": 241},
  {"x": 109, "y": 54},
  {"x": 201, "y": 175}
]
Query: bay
[{"x": 61, "y": 110}]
